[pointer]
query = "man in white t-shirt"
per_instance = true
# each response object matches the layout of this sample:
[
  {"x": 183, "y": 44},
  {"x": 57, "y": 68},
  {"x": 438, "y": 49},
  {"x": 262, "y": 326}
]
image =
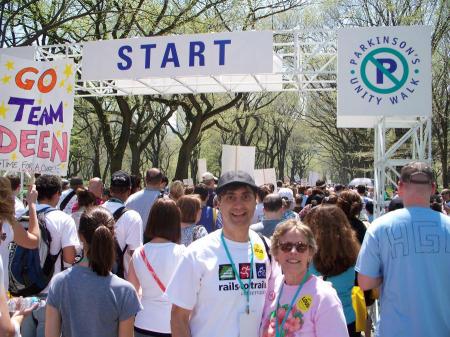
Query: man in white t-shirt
[
  {"x": 128, "y": 229},
  {"x": 64, "y": 237},
  {"x": 220, "y": 284}
]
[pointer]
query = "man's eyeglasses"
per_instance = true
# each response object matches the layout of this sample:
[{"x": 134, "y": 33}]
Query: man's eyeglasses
[{"x": 300, "y": 247}]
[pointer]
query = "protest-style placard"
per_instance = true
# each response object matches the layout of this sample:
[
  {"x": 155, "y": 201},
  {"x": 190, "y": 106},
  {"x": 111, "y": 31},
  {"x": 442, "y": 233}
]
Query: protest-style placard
[
  {"x": 36, "y": 114},
  {"x": 236, "y": 158},
  {"x": 266, "y": 176},
  {"x": 188, "y": 182},
  {"x": 201, "y": 168}
]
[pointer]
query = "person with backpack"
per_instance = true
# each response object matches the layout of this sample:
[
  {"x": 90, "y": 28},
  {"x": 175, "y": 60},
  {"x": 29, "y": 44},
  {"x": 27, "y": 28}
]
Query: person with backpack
[
  {"x": 58, "y": 244},
  {"x": 209, "y": 214},
  {"x": 190, "y": 207},
  {"x": 87, "y": 300},
  {"x": 128, "y": 228},
  {"x": 11, "y": 230},
  {"x": 68, "y": 198},
  {"x": 152, "y": 267}
]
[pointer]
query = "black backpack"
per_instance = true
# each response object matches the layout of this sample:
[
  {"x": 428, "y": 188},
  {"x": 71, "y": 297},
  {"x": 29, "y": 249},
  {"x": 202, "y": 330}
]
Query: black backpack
[
  {"x": 119, "y": 268},
  {"x": 66, "y": 200},
  {"x": 30, "y": 270}
]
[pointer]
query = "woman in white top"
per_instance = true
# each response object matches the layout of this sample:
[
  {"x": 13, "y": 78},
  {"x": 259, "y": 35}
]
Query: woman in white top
[
  {"x": 152, "y": 267},
  {"x": 10, "y": 229}
]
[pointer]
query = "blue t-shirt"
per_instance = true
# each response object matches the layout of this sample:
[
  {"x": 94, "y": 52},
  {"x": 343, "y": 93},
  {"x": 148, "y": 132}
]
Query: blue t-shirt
[
  {"x": 207, "y": 219},
  {"x": 410, "y": 249},
  {"x": 91, "y": 305},
  {"x": 343, "y": 283}
]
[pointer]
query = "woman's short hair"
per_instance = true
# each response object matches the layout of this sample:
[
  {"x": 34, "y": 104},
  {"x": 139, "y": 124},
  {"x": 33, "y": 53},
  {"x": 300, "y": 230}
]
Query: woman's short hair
[
  {"x": 97, "y": 228},
  {"x": 176, "y": 189},
  {"x": 287, "y": 226},
  {"x": 164, "y": 221},
  {"x": 189, "y": 206},
  {"x": 86, "y": 198},
  {"x": 350, "y": 202},
  {"x": 337, "y": 244}
]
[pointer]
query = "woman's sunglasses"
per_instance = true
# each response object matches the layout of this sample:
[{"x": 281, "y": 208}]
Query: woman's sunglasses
[{"x": 300, "y": 247}]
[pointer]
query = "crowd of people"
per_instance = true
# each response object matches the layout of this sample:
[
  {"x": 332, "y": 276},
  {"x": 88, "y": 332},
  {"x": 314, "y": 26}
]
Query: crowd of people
[{"x": 224, "y": 258}]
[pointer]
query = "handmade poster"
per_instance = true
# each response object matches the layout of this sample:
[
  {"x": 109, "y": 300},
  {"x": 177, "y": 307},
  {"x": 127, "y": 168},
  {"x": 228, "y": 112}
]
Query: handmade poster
[
  {"x": 188, "y": 182},
  {"x": 36, "y": 115},
  {"x": 265, "y": 176},
  {"x": 201, "y": 168},
  {"x": 238, "y": 158}
]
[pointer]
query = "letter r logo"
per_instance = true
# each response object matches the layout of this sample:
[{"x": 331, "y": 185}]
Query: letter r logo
[{"x": 392, "y": 66}]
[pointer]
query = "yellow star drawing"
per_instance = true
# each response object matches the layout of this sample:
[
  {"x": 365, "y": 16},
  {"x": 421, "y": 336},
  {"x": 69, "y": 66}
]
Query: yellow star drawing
[
  {"x": 13, "y": 156},
  {"x": 66, "y": 104},
  {"x": 62, "y": 165},
  {"x": 39, "y": 101},
  {"x": 68, "y": 70},
  {"x": 62, "y": 83},
  {"x": 69, "y": 88},
  {"x": 3, "y": 110},
  {"x": 9, "y": 65},
  {"x": 58, "y": 133},
  {"x": 6, "y": 79}
]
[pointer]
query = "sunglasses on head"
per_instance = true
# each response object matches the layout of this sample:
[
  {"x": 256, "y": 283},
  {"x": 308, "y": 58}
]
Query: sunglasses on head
[{"x": 300, "y": 247}]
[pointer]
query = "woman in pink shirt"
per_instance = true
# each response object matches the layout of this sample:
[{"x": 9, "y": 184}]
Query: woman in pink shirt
[{"x": 301, "y": 304}]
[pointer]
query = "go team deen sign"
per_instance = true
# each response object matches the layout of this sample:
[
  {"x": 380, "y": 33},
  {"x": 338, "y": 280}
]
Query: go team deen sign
[{"x": 179, "y": 55}]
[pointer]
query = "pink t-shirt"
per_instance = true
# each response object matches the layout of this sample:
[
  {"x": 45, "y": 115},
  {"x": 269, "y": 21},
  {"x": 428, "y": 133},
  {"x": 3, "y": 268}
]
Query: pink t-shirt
[{"x": 317, "y": 311}]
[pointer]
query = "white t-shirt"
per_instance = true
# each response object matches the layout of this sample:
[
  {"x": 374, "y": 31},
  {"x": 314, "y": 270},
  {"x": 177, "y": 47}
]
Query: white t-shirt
[
  {"x": 163, "y": 257},
  {"x": 204, "y": 282},
  {"x": 19, "y": 207},
  {"x": 70, "y": 204},
  {"x": 63, "y": 232},
  {"x": 128, "y": 230},
  {"x": 6, "y": 237}
]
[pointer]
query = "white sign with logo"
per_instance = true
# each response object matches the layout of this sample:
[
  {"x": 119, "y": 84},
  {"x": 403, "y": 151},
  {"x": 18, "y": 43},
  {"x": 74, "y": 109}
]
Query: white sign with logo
[
  {"x": 236, "y": 158},
  {"x": 179, "y": 55},
  {"x": 383, "y": 71}
]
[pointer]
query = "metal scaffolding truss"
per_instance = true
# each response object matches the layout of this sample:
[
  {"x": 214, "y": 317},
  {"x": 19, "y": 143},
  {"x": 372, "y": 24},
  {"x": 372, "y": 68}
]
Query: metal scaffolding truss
[
  {"x": 415, "y": 144},
  {"x": 303, "y": 61}
]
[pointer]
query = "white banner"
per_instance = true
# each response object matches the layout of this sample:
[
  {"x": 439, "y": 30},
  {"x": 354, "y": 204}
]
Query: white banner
[
  {"x": 266, "y": 176},
  {"x": 179, "y": 55},
  {"x": 236, "y": 158},
  {"x": 21, "y": 52},
  {"x": 383, "y": 71},
  {"x": 36, "y": 112}
]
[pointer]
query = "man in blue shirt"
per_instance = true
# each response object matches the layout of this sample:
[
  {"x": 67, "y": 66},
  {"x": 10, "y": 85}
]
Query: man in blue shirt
[{"x": 407, "y": 254}]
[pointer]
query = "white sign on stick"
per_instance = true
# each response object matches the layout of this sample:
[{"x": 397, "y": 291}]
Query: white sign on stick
[
  {"x": 201, "y": 168},
  {"x": 383, "y": 72},
  {"x": 36, "y": 113},
  {"x": 179, "y": 55},
  {"x": 265, "y": 176},
  {"x": 20, "y": 52},
  {"x": 236, "y": 158},
  {"x": 188, "y": 182}
]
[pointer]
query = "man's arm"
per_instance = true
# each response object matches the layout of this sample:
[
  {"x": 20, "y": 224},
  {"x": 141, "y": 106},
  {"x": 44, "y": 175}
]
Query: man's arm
[
  {"x": 367, "y": 282},
  {"x": 179, "y": 322},
  {"x": 69, "y": 254}
]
